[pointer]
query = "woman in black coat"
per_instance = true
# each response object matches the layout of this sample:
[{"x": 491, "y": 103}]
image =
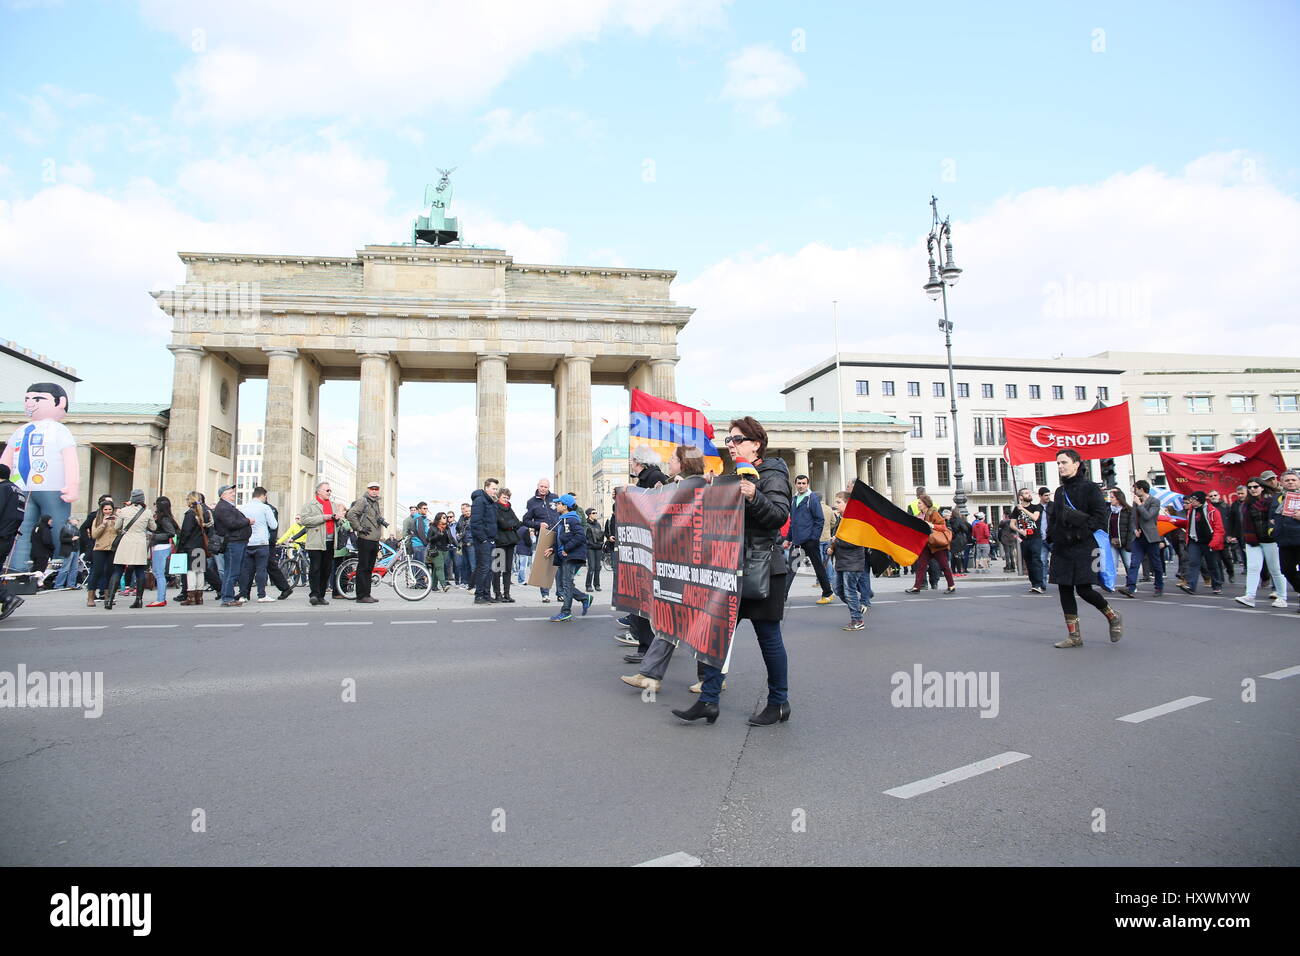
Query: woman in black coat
[
  {"x": 1080, "y": 510},
  {"x": 503, "y": 555},
  {"x": 767, "y": 506}
]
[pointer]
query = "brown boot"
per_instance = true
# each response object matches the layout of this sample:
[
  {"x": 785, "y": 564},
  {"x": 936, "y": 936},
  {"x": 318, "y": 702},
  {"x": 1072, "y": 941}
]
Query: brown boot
[
  {"x": 1116, "y": 623},
  {"x": 1075, "y": 638}
]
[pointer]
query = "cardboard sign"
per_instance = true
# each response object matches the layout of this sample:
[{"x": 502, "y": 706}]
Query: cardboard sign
[{"x": 542, "y": 573}]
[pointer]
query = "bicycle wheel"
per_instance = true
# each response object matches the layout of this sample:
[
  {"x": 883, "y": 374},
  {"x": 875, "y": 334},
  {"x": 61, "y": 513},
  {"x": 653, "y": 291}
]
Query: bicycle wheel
[
  {"x": 345, "y": 579},
  {"x": 608, "y": 560},
  {"x": 411, "y": 580}
]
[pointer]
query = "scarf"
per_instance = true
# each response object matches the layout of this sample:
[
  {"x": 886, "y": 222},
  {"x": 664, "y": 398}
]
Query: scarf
[{"x": 329, "y": 515}]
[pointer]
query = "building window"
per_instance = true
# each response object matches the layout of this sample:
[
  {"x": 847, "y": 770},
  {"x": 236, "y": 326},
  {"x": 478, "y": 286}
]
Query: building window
[
  {"x": 1040, "y": 474},
  {"x": 986, "y": 390},
  {"x": 1081, "y": 393},
  {"x": 1011, "y": 391},
  {"x": 918, "y": 472},
  {"x": 811, "y": 403},
  {"x": 1035, "y": 391},
  {"x": 963, "y": 389},
  {"x": 939, "y": 391},
  {"x": 862, "y": 388},
  {"x": 1160, "y": 443},
  {"x": 1002, "y": 430},
  {"x": 979, "y": 471},
  {"x": 1199, "y": 405},
  {"x": 916, "y": 428},
  {"x": 1103, "y": 393},
  {"x": 940, "y": 426},
  {"x": 1286, "y": 403},
  {"x": 913, "y": 389},
  {"x": 979, "y": 431},
  {"x": 886, "y": 388},
  {"x": 943, "y": 468},
  {"x": 1289, "y": 440},
  {"x": 1242, "y": 404},
  {"x": 1156, "y": 405},
  {"x": 1202, "y": 442},
  {"x": 1058, "y": 392},
  {"x": 988, "y": 431}
]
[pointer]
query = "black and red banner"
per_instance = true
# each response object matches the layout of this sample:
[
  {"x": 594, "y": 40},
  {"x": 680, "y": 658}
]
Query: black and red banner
[{"x": 680, "y": 550}]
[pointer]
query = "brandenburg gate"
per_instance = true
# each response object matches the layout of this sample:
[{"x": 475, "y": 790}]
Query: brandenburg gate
[{"x": 392, "y": 314}]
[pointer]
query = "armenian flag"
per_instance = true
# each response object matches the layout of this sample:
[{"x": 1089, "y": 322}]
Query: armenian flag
[
  {"x": 872, "y": 521},
  {"x": 663, "y": 425}
]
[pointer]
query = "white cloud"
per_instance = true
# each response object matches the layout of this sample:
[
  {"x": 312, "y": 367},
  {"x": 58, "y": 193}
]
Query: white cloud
[
  {"x": 757, "y": 77},
  {"x": 1143, "y": 261},
  {"x": 505, "y": 127},
  {"x": 331, "y": 57}
]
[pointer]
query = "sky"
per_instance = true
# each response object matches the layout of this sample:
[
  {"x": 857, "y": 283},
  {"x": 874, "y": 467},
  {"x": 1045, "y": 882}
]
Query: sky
[{"x": 778, "y": 156}]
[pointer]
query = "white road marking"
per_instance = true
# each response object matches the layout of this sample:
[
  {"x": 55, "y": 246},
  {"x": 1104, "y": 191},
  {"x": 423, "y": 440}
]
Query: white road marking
[
  {"x": 874, "y": 602},
  {"x": 909, "y": 790},
  {"x": 287, "y": 624},
  {"x": 4, "y": 629},
  {"x": 473, "y": 620},
  {"x": 348, "y": 623},
  {"x": 218, "y": 625},
  {"x": 532, "y": 619},
  {"x": 1161, "y": 710},
  {"x": 599, "y": 615},
  {"x": 673, "y": 859},
  {"x": 412, "y": 622},
  {"x": 81, "y": 627},
  {"x": 1282, "y": 674},
  {"x": 145, "y": 627}
]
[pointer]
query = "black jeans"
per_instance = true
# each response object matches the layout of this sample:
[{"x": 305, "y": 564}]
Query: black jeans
[
  {"x": 594, "y": 556},
  {"x": 814, "y": 551},
  {"x": 503, "y": 558},
  {"x": 264, "y": 567},
  {"x": 1031, "y": 550},
  {"x": 482, "y": 570},
  {"x": 322, "y": 569},
  {"x": 367, "y": 551}
]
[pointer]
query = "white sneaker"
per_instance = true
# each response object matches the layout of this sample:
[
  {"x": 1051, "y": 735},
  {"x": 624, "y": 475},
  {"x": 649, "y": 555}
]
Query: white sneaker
[
  {"x": 627, "y": 638},
  {"x": 1242, "y": 599},
  {"x": 266, "y": 600},
  {"x": 1280, "y": 602}
]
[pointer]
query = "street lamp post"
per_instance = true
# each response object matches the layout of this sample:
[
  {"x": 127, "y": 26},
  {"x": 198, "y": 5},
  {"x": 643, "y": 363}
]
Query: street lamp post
[{"x": 937, "y": 288}]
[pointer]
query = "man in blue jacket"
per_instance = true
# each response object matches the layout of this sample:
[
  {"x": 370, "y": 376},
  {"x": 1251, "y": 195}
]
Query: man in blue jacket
[
  {"x": 483, "y": 534},
  {"x": 806, "y": 523},
  {"x": 568, "y": 555},
  {"x": 540, "y": 513}
]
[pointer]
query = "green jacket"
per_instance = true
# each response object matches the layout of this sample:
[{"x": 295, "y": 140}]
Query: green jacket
[{"x": 367, "y": 518}]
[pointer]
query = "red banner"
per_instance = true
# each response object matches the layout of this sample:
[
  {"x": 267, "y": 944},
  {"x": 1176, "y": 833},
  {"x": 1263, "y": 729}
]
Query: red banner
[
  {"x": 679, "y": 554},
  {"x": 1223, "y": 471},
  {"x": 1100, "y": 433}
]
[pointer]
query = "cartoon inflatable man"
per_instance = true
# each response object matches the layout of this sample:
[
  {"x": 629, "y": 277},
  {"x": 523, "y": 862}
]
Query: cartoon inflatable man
[{"x": 42, "y": 459}]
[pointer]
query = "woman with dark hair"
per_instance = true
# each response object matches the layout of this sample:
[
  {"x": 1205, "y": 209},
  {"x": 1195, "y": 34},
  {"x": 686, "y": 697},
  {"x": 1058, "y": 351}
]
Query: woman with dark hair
[
  {"x": 1119, "y": 529},
  {"x": 936, "y": 547},
  {"x": 1080, "y": 509},
  {"x": 439, "y": 547},
  {"x": 767, "y": 506},
  {"x": 1256, "y": 517},
  {"x": 43, "y": 543},
  {"x": 503, "y": 554},
  {"x": 165, "y": 530},
  {"x": 102, "y": 532}
]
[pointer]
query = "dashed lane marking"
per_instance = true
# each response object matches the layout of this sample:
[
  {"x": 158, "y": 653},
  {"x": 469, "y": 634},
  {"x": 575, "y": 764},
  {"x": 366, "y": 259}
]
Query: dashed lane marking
[
  {"x": 673, "y": 859},
  {"x": 474, "y": 620},
  {"x": 147, "y": 627},
  {"x": 80, "y": 627},
  {"x": 348, "y": 623},
  {"x": 909, "y": 790},
  {"x": 1282, "y": 674},
  {"x": 6, "y": 629},
  {"x": 412, "y": 622},
  {"x": 286, "y": 624},
  {"x": 218, "y": 625},
  {"x": 1159, "y": 711}
]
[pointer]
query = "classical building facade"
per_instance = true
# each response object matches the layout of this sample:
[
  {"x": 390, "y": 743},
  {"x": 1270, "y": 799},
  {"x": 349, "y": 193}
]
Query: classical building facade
[{"x": 391, "y": 314}]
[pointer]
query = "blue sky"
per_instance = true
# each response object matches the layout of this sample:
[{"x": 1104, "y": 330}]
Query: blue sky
[{"x": 777, "y": 155}]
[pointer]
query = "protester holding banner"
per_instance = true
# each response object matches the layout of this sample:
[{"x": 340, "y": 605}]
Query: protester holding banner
[
  {"x": 767, "y": 505},
  {"x": 568, "y": 555},
  {"x": 1080, "y": 512},
  {"x": 1288, "y": 530},
  {"x": 1257, "y": 519}
]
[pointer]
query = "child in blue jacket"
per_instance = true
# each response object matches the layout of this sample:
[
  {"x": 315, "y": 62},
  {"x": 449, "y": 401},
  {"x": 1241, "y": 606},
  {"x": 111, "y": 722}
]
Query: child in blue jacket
[{"x": 568, "y": 555}]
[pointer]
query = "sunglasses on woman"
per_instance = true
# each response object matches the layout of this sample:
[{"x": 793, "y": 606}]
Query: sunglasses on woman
[{"x": 735, "y": 439}]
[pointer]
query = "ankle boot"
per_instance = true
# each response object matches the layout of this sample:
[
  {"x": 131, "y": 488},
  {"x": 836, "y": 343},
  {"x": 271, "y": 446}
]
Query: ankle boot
[
  {"x": 1116, "y": 623},
  {"x": 700, "y": 708},
  {"x": 1075, "y": 638},
  {"x": 771, "y": 714},
  {"x": 139, "y": 599},
  {"x": 112, "y": 593}
]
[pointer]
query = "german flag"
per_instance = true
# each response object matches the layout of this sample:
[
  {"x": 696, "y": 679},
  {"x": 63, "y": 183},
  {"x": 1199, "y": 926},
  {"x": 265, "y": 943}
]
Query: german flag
[{"x": 872, "y": 522}]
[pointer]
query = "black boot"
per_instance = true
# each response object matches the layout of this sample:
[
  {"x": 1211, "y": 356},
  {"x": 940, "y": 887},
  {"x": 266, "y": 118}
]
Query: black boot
[
  {"x": 700, "y": 708},
  {"x": 112, "y": 593},
  {"x": 770, "y": 715}
]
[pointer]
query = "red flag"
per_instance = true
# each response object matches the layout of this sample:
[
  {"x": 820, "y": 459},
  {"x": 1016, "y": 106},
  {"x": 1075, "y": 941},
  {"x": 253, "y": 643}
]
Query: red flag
[
  {"x": 1222, "y": 471},
  {"x": 1100, "y": 433}
]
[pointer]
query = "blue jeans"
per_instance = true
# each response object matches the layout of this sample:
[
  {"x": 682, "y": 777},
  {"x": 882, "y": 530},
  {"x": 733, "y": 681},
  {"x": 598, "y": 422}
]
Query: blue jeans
[
  {"x": 565, "y": 589},
  {"x": 1044, "y": 560},
  {"x": 67, "y": 576},
  {"x": 1152, "y": 551},
  {"x": 831, "y": 574},
  {"x": 234, "y": 564},
  {"x": 522, "y": 564},
  {"x": 39, "y": 504},
  {"x": 254, "y": 570},
  {"x": 854, "y": 589},
  {"x": 1031, "y": 556},
  {"x": 482, "y": 569},
  {"x": 773, "y": 648},
  {"x": 1196, "y": 553},
  {"x": 160, "y": 558}
]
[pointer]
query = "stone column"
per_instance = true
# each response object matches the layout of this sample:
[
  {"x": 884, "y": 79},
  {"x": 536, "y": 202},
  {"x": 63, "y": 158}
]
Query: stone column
[
  {"x": 142, "y": 471},
  {"x": 864, "y": 466},
  {"x": 374, "y": 425},
  {"x": 183, "y": 425},
  {"x": 279, "y": 444},
  {"x": 576, "y": 439},
  {"x": 86, "y": 502},
  {"x": 801, "y": 464},
  {"x": 837, "y": 474},
  {"x": 878, "y": 471},
  {"x": 491, "y": 393},
  {"x": 663, "y": 378},
  {"x": 898, "y": 488}
]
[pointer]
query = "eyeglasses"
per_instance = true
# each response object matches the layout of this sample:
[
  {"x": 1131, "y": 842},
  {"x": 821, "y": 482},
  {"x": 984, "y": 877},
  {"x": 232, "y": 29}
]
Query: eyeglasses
[
  {"x": 735, "y": 439},
  {"x": 1248, "y": 487}
]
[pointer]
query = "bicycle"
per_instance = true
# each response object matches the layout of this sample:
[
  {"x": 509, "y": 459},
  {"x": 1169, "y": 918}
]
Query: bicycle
[
  {"x": 411, "y": 579},
  {"x": 295, "y": 565}
]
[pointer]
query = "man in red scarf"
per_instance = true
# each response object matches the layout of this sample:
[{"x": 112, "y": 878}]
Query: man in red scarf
[{"x": 320, "y": 517}]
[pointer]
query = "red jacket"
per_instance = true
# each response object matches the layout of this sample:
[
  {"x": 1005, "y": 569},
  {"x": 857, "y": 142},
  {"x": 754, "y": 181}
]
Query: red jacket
[{"x": 1216, "y": 525}]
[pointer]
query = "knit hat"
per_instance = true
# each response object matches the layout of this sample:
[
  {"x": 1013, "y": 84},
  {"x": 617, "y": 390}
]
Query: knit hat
[
  {"x": 568, "y": 501},
  {"x": 137, "y": 497}
]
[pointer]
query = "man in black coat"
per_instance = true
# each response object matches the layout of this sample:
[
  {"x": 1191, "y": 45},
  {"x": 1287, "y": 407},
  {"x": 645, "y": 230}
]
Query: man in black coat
[
  {"x": 233, "y": 525},
  {"x": 12, "y": 508},
  {"x": 483, "y": 534},
  {"x": 540, "y": 513}
]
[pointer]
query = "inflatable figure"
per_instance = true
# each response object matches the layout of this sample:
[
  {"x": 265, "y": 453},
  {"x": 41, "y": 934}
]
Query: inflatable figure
[{"x": 42, "y": 459}]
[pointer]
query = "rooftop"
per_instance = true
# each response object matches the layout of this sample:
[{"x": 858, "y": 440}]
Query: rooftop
[
  {"x": 85, "y": 409},
  {"x": 27, "y": 355}
]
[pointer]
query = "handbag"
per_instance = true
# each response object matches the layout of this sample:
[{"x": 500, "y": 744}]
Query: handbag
[
  {"x": 117, "y": 539},
  {"x": 178, "y": 563},
  {"x": 756, "y": 577},
  {"x": 940, "y": 539},
  {"x": 1105, "y": 566}
]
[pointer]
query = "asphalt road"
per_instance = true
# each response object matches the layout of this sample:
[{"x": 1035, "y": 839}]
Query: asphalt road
[{"x": 486, "y": 739}]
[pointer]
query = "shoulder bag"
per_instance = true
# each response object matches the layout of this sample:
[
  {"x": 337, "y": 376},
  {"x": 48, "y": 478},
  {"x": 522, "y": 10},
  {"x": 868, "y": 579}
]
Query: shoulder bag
[
  {"x": 756, "y": 576},
  {"x": 118, "y": 539},
  {"x": 1105, "y": 564}
]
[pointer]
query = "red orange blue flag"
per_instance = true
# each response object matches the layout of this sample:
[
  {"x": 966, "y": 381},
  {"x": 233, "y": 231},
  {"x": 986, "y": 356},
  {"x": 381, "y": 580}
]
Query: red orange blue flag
[{"x": 663, "y": 425}]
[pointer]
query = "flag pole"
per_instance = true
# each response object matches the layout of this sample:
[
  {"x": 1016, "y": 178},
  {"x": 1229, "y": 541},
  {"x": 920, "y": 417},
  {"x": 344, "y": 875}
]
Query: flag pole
[{"x": 839, "y": 389}]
